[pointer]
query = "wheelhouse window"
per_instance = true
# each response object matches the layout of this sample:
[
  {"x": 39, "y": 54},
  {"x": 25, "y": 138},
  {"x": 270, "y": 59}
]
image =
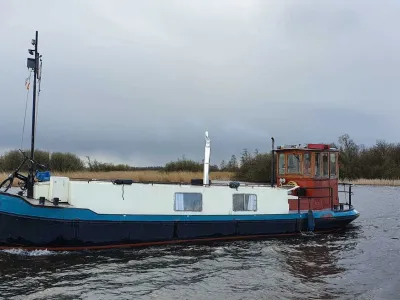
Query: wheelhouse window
[
  {"x": 188, "y": 202},
  {"x": 307, "y": 164},
  {"x": 281, "y": 164},
  {"x": 244, "y": 202},
  {"x": 325, "y": 165},
  {"x": 293, "y": 163},
  {"x": 317, "y": 164},
  {"x": 333, "y": 170}
]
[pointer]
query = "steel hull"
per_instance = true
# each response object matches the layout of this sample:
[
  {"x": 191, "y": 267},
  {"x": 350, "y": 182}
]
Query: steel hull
[{"x": 18, "y": 231}]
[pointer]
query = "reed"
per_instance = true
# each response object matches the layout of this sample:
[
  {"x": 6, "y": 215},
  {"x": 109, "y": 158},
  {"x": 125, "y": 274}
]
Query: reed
[
  {"x": 140, "y": 175},
  {"x": 150, "y": 175},
  {"x": 377, "y": 182}
]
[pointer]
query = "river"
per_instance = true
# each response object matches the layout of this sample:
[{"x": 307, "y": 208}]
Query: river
[{"x": 362, "y": 262}]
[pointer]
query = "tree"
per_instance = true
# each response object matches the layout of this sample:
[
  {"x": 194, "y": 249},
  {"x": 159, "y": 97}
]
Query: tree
[
  {"x": 222, "y": 166},
  {"x": 232, "y": 165},
  {"x": 246, "y": 156},
  {"x": 348, "y": 158},
  {"x": 66, "y": 162},
  {"x": 255, "y": 168}
]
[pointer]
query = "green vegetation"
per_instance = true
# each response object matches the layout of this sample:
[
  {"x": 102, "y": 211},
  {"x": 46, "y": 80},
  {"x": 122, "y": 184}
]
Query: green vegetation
[
  {"x": 63, "y": 163},
  {"x": 60, "y": 162},
  {"x": 187, "y": 165},
  {"x": 381, "y": 161}
]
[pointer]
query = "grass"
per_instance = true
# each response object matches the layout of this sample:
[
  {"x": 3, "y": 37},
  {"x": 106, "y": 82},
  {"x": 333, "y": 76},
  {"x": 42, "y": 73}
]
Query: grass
[{"x": 140, "y": 175}]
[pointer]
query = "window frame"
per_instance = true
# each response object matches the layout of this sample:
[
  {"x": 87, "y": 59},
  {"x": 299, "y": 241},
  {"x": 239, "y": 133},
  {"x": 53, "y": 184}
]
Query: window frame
[
  {"x": 335, "y": 164},
  {"x": 298, "y": 163},
  {"x": 317, "y": 164},
  {"x": 284, "y": 163},
  {"x": 309, "y": 154},
  {"x": 244, "y": 202},
  {"x": 185, "y": 193},
  {"x": 323, "y": 167}
]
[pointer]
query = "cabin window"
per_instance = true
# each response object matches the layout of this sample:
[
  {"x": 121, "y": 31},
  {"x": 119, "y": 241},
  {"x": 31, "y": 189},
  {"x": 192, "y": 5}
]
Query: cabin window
[
  {"x": 293, "y": 163},
  {"x": 281, "y": 164},
  {"x": 244, "y": 202},
  {"x": 333, "y": 165},
  {"x": 325, "y": 165},
  {"x": 307, "y": 164},
  {"x": 188, "y": 202},
  {"x": 317, "y": 168}
]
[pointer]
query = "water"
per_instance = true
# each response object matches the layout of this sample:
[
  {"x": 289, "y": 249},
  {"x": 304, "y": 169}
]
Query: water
[{"x": 362, "y": 262}]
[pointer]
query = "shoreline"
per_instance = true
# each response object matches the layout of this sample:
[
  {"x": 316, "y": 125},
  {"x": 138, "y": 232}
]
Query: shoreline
[
  {"x": 151, "y": 175},
  {"x": 162, "y": 176},
  {"x": 374, "y": 182}
]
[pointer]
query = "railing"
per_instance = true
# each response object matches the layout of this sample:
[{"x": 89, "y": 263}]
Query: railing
[
  {"x": 303, "y": 190},
  {"x": 345, "y": 192}
]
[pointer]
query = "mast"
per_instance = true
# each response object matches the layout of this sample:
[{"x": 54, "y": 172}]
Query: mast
[{"x": 33, "y": 64}]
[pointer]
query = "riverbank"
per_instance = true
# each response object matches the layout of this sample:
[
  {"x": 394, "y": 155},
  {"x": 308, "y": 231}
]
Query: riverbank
[
  {"x": 140, "y": 175},
  {"x": 184, "y": 177},
  {"x": 377, "y": 182}
]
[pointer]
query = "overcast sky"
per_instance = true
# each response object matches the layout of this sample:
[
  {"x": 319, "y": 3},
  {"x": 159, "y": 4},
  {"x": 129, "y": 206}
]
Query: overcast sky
[{"x": 140, "y": 81}]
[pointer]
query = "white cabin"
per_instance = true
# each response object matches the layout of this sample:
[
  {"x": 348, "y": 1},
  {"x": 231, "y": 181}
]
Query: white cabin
[
  {"x": 111, "y": 197},
  {"x": 104, "y": 197}
]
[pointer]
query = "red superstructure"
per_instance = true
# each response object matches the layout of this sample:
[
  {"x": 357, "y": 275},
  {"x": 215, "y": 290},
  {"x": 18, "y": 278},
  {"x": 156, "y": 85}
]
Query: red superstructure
[{"x": 315, "y": 169}]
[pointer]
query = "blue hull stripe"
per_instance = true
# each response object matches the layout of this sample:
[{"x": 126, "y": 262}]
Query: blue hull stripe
[{"x": 15, "y": 205}]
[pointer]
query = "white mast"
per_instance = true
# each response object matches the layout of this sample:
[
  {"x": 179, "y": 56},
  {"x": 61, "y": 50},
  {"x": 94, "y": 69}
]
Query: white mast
[{"x": 207, "y": 152}]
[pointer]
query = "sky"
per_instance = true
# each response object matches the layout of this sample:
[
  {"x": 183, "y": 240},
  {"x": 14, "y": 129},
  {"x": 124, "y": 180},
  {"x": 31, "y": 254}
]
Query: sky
[{"x": 139, "y": 82}]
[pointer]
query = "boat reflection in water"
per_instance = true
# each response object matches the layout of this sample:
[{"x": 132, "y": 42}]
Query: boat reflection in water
[{"x": 314, "y": 258}]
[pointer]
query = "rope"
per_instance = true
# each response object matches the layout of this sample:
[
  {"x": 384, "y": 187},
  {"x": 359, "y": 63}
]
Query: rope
[
  {"x": 38, "y": 94},
  {"x": 27, "y": 85}
]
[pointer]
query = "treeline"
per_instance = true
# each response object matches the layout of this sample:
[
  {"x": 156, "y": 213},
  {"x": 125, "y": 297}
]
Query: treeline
[
  {"x": 187, "y": 165},
  {"x": 381, "y": 160},
  {"x": 63, "y": 162}
]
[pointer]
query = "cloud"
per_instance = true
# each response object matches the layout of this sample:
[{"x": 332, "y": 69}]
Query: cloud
[{"x": 140, "y": 81}]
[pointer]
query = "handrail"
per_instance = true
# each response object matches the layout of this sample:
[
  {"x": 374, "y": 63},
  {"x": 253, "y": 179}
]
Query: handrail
[{"x": 344, "y": 184}]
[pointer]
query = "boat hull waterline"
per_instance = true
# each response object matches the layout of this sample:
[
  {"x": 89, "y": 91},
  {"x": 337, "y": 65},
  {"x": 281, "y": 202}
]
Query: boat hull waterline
[{"x": 23, "y": 225}]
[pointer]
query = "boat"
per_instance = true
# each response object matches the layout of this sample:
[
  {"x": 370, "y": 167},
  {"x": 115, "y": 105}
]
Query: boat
[{"x": 61, "y": 213}]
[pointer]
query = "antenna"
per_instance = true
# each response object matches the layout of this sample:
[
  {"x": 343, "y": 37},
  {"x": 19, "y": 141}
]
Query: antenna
[{"x": 33, "y": 63}]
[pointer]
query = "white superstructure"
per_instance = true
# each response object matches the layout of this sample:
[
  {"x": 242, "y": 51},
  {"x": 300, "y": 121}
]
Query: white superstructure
[
  {"x": 127, "y": 197},
  {"x": 159, "y": 199}
]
